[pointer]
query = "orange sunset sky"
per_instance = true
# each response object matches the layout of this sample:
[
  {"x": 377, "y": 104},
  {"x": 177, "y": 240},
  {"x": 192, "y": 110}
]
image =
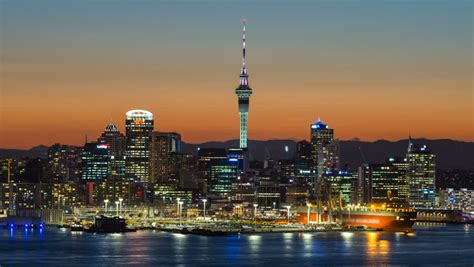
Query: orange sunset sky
[{"x": 369, "y": 70}]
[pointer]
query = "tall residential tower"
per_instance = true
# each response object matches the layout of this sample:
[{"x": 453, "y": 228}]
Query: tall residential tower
[{"x": 243, "y": 92}]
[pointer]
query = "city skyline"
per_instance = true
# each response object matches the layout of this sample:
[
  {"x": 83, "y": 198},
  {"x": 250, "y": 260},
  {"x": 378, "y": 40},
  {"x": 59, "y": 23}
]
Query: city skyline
[{"x": 377, "y": 83}]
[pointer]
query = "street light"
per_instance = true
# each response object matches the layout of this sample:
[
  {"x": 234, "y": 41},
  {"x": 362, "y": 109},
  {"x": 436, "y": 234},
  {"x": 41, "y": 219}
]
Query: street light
[
  {"x": 274, "y": 205},
  {"x": 179, "y": 207},
  {"x": 117, "y": 207},
  {"x": 255, "y": 211},
  {"x": 120, "y": 201},
  {"x": 106, "y": 202},
  {"x": 204, "y": 202},
  {"x": 309, "y": 211},
  {"x": 177, "y": 201},
  {"x": 288, "y": 211}
]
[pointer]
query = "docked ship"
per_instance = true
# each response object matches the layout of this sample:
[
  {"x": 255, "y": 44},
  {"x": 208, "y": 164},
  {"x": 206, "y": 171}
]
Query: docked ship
[
  {"x": 397, "y": 221},
  {"x": 386, "y": 219}
]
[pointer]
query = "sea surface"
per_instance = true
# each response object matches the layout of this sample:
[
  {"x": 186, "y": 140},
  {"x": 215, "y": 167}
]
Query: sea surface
[{"x": 428, "y": 245}]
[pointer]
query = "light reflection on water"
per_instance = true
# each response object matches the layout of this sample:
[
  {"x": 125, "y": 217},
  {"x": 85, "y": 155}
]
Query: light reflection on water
[{"x": 442, "y": 244}]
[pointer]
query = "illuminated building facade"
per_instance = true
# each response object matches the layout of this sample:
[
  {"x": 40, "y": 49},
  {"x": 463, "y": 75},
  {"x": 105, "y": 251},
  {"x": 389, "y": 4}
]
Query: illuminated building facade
[
  {"x": 95, "y": 161},
  {"x": 421, "y": 176},
  {"x": 462, "y": 199},
  {"x": 112, "y": 191},
  {"x": 57, "y": 161},
  {"x": 138, "y": 129},
  {"x": 115, "y": 140},
  {"x": 401, "y": 163},
  {"x": 163, "y": 147},
  {"x": 380, "y": 183},
  {"x": 169, "y": 193},
  {"x": 269, "y": 195},
  {"x": 343, "y": 185},
  {"x": 243, "y": 93},
  {"x": 217, "y": 169},
  {"x": 322, "y": 148}
]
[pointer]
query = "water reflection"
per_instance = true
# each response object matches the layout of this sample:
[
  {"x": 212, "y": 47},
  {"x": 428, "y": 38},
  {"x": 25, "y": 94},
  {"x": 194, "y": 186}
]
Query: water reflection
[
  {"x": 376, "y": 247},
  {"x": 254, "y": 243}
]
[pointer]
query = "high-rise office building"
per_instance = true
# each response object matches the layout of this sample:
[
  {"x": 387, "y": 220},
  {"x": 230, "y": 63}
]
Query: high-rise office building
[
  {"x": 138, "y": 129},
  {"x": 322, "y": 148},
  {"x": 163, "y": 145},
  {"x": 117, "y": 144},
  {"x": 421, "y": 176},
  {"x": 401, "y": 163},
  {"x": 95, "y": 161},
  {"x": 115, "y": 139},
  {"x": 243, "y": 93},
  {"x": 57, "y": 162},
  {"x": 217, "y": 170},
  {"x": 380, "y": 183}
]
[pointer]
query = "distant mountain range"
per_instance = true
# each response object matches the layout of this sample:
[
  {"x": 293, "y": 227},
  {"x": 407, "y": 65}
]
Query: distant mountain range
[{"x": 450, "y": 154}]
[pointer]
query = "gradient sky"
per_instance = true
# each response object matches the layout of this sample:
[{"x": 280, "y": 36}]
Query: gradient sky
[{"x": 370, "y": 69}]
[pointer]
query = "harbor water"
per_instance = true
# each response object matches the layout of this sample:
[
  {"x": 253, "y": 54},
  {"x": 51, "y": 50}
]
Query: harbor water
[{"x": 430, "y": 244}]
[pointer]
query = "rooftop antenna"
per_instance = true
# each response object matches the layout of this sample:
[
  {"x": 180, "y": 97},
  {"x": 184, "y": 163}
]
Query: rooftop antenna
[{"x": 243, "y": 75}]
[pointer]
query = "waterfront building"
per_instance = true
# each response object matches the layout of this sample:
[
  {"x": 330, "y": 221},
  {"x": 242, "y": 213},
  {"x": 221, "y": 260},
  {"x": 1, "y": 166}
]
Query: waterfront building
[
  {"x": 66, "y": 195},
  {"x": 95, "y": 161},
  {"x": 421, "y": 176},
  {"x": 401, "y": 163},
  {"x": 169, "y": 192},
  {"x": 269, "y": 195},
  {"x": 243, "y": 192},
  {"x": 380, "y": 183},
  {"x": 296, "y": 195},
  {"x": 138, "y": 129},
  {"x": 243, "y": 93},
  {"x": 112, "y": 191},
  {"x": 462, "y": 199}
]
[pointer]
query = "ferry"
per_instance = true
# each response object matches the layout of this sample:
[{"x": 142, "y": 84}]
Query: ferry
[{"x": 106, "y": 224}]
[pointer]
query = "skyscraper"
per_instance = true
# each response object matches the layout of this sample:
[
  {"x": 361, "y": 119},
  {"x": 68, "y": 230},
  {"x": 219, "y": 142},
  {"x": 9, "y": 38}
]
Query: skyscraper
[
  {"x": 243, "y": 93},
  {"x": 161, "y": 149},
  {"x": 116, "y": 142},
  {"x": 95, "y": 161},
  {"x": 115, "y": 139},
  {"x": 380, "y": 183},
  {"x": 321, "y": 139},
  {"x": 421, "y": 176},
  {"x": 138, "y": 129}
]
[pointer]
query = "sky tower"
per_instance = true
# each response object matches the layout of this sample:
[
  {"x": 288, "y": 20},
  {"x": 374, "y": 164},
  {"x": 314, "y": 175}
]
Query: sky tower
[{"x": 243, "y": 92}]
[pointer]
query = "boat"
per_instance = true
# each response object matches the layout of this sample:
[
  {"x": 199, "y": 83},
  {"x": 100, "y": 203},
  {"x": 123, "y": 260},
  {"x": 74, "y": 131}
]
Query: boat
[
  {"x": 109, "y": 224},
  {"x": 394, "y": 221},
  {"x": 369, "y": 217}
]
